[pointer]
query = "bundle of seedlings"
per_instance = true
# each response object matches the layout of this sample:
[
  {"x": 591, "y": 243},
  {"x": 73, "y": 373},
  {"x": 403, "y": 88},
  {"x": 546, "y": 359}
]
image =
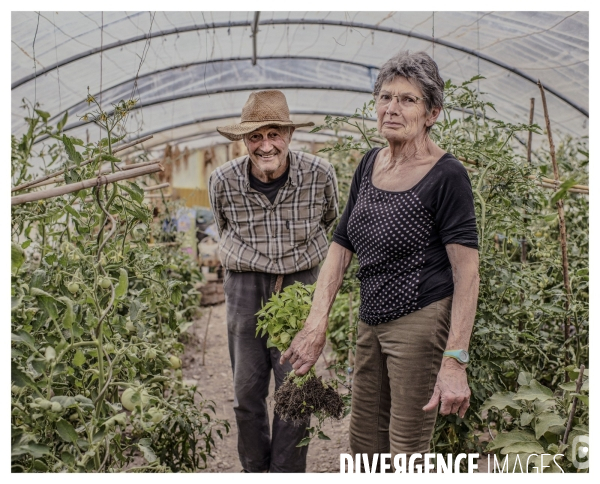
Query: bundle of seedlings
[{"x": 281, "y": 318}]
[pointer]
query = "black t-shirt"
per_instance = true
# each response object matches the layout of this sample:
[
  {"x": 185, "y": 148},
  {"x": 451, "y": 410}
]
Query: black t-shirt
[
  {"x": 400, "y": 237},
  {"x": 269, "y": 189}
]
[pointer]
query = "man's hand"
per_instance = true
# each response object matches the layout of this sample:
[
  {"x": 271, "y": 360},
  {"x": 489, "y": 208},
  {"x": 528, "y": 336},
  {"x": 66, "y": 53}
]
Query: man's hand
[
  {"x": 451, "y": 389},
  {"x": 306, "y": 347}
]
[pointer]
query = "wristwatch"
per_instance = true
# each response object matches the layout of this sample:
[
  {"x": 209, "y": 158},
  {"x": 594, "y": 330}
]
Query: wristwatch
[{"x": 462, "y": 356}]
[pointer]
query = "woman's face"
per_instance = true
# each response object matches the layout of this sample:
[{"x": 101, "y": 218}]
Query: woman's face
[{"x": 401, "y": 112}]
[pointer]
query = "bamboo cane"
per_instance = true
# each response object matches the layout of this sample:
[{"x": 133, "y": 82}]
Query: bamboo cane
[
  {"x": 156, "y": 187},
  {"x": 89, "y": 183},
  {"x": 157, "y": 195},
  {"x": 561, "y": 217},
  {"x": 37, "y": 181},
  {"x": 132, "y": 143},
  {"x": 106, "y": 171}
]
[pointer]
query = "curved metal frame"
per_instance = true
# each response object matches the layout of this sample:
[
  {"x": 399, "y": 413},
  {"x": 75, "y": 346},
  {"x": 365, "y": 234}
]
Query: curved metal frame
[
  {"x": 228, "y": 116},
  {"x": 357, "y": 25},
  {"x": 214, "y": 61}
]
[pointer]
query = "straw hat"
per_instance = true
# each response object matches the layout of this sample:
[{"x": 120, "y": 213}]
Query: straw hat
[{"x": 263, "y": 108}]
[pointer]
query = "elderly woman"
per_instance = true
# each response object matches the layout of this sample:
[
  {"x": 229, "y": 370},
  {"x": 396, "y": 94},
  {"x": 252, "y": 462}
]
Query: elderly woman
[{"x": 410, "y": 219}]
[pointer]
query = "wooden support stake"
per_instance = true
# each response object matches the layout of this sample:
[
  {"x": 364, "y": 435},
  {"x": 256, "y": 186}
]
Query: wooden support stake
[
  {"x": 206, "y": 334},
  {"x": 89, "y": 183},
  {"x": 132, "y": 143},
  {"x": 574, "y": 404},
  {"x": 39, "y": 180},
  {"x": 156, "y": 187},
  {"x": 561, "y": 219},
  {"x": 106, "y": 171}
]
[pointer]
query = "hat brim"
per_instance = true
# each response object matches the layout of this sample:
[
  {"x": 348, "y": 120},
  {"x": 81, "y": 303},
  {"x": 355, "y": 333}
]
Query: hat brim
[{"x": 236, "y": 132}]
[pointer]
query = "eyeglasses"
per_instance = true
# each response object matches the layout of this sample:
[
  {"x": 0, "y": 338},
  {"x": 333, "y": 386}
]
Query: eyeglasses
[{"x": 405, "y": 100}]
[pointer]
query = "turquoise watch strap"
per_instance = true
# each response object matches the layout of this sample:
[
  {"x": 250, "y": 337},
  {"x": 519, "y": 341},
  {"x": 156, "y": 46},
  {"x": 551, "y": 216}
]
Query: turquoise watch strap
[{"x": 461, "y": 355}]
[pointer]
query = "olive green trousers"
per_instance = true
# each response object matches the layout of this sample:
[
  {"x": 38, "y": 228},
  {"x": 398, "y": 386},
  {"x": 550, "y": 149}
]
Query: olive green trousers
[{"x": 395, "y": 372}]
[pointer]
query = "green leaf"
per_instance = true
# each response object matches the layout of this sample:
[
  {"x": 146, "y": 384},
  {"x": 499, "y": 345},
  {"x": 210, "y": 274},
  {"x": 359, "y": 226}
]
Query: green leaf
[
  {"x": 135, "y": 191},
  {"x": 20, "y": 378},
  {"x": 524, "y": 378},
  {"x": 563, "y": 190},
  {"x": 304, "y": 441},
  {"x": 37, "y": 451},
  {"x": 500, "y": 400},
  {"x": 569, "y": 387},
  {"x": 66, "y": 402},
  {"x": 66, "y": 431},
  {"x": 123, "y": 284},
  {"x": 17, "y": 257},
  {"x": 72, "y": 153},
  {"x": 110, "y": 158},
  {"x": 533, "y": 391},
  {"x": 584, "y": 398},
  {"x": 523, "y": 448},
  {"x": 43, "y": 114},
  {"x": 79, "y": 358},
  {"x": 147, "y": 451},
  {"x": 526, "y": 419},
  {"x": 549, "y": 422},
  {"x": 72, "y": 211},
  {"x": 61, "y": 124},
  {"x": 69, "y": 315},
  {"x": 176, "y": 295},
  {"x": 322, "y": 436},
  {"x": 46, "y": 302},
  {"x": 505, "y": 439}
]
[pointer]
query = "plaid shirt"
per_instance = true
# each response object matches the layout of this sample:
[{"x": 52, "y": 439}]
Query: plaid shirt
[{"x": 285, "y": 237}]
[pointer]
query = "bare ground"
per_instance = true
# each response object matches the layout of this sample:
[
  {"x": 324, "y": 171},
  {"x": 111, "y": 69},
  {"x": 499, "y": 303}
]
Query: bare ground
[{"x": 214, "y": 380}]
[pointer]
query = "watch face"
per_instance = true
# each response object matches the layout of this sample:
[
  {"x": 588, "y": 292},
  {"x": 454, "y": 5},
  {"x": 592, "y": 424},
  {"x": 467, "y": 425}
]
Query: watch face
[{"x": 464, "y": 356}]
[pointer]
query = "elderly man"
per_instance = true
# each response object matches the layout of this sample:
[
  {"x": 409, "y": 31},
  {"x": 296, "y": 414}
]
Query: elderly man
[{"x": 273, "y": 208}]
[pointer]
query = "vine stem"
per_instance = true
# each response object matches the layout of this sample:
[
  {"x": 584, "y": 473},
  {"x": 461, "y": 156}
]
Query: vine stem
[{"x": 574, "y": 404}]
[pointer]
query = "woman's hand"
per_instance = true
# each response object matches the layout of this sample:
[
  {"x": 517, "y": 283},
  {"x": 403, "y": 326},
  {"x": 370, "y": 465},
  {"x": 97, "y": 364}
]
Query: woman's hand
[
  {"x": 306, "y": 346},
  {"x": 451, "y": 389}
]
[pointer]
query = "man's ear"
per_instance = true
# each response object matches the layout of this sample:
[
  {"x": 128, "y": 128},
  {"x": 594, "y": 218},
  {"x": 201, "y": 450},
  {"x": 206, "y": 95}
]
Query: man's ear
[{"x": 292, "y": 129}]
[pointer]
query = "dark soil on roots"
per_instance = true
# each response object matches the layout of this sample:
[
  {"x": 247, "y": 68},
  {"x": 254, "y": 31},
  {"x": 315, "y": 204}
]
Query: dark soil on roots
[{"x": 297, "y": 404}]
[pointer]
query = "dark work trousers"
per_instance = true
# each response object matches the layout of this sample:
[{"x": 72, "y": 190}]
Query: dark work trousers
[{"x": 252, "y": 363}]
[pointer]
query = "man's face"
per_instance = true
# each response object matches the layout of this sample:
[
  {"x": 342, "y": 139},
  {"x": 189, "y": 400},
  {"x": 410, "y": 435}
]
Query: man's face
[{"x": 268, "y": 149}]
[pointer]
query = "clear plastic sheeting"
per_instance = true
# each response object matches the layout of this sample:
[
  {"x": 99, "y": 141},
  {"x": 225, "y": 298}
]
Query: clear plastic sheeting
[{"x": 188, "y": 69}]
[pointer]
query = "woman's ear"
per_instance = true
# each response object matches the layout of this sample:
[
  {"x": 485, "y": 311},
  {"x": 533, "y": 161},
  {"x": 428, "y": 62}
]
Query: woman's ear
[{"x": 433, "y": 115}]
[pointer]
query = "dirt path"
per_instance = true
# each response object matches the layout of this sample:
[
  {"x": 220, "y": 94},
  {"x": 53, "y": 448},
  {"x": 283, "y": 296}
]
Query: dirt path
[{"x": 214, "y": 381}]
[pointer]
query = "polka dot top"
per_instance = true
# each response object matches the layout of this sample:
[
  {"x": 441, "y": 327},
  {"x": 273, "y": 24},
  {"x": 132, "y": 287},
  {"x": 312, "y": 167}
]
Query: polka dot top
[{"x": 400, "y": 237}]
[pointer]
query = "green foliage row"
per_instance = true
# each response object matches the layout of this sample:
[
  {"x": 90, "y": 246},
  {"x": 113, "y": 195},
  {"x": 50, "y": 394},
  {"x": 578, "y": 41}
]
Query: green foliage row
[{"x": 95, "y": 319}]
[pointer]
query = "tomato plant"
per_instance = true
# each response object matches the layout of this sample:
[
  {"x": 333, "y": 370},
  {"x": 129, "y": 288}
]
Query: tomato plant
[{"x": 95, "y": 318}]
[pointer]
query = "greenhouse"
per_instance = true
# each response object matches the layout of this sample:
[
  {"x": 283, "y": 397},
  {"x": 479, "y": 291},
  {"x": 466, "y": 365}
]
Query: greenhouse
[{"x": 125, "y": 254}]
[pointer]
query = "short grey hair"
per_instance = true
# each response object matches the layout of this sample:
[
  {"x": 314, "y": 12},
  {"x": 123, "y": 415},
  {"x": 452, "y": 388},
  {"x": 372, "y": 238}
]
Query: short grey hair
[{"x": 418, "y": 67}]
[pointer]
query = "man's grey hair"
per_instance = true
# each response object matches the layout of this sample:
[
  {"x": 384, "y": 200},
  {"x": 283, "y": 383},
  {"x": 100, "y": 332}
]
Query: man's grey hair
[{"x": 418, "y": 67}]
